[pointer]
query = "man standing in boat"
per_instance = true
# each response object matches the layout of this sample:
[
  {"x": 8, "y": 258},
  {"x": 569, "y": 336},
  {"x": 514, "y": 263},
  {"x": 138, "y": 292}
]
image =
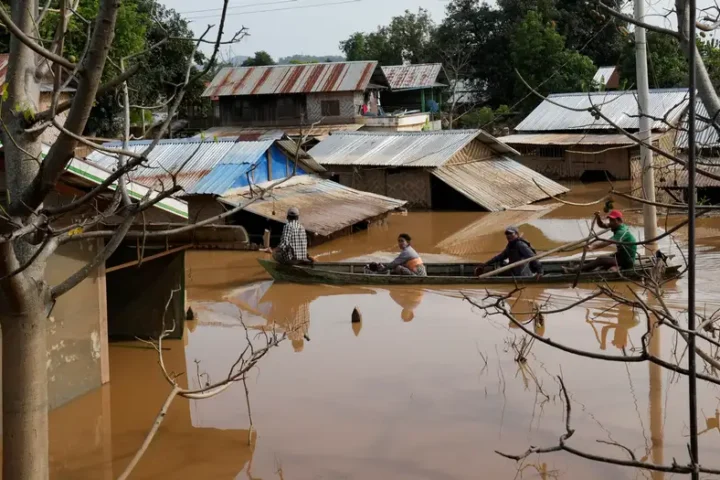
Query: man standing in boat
[
  {"x": 408, "y": 262},
  {"x": 293, "y": 247},
  {"x": 624, "y": 257},
  {"x": 517, "y": 249}
]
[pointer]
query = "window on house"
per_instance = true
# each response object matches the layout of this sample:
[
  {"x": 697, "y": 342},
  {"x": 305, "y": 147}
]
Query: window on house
[
  {"x": 551, "y": 151},
  {"x": 330, "y": 108}
]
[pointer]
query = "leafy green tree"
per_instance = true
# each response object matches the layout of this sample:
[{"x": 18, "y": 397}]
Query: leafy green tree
[
  {"x": 538, "y": 53},
  {"x": 667, "y": 66},
  {"x": 140, "y": 24},
  {"x": 407, "y": 37},
  {"x": 260, "y": 59}
]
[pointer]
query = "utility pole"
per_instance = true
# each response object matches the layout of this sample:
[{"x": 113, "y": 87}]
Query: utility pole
[{"x": 646, "y": 155}]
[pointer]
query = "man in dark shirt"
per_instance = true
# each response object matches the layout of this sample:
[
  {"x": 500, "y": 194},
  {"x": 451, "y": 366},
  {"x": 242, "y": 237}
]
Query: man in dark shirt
[{"x": 517, "y": 249}]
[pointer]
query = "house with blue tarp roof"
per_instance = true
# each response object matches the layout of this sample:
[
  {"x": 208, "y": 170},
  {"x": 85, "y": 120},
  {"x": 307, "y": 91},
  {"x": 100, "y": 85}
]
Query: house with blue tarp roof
[{"x": 207, "y": 168}]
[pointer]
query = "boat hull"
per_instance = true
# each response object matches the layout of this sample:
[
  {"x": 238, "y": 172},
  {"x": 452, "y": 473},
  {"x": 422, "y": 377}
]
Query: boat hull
[{"x": 443, "y": 274}]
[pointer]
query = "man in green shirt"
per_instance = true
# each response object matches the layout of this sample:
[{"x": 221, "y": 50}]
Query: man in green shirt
[{"x": 624, "y": 257}]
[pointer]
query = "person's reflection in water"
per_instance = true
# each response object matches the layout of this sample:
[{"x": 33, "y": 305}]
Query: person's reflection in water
[
  {"x": 409, "y": 300},
  {"x": 298, "y": 325},
  {"x": 712, "y": 423},
  {"x": 626, "y": 319}
]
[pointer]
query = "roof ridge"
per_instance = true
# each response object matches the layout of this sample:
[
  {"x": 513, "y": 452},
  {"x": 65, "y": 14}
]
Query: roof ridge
[
  {"x": 615, "y": 92},
  {"x": 299, "y": 64}
]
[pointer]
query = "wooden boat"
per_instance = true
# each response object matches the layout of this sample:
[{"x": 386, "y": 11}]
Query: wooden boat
[{"x": 446, "y": 274}]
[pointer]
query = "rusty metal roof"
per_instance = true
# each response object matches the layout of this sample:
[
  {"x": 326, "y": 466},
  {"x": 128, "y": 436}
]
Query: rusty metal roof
[
  {"x": 499, "y": 183},
  {"x": 285, "y": 79},
  {"x": 620, "y": 106},
  {"x": 408, "y": 77},
  {"x": 569, "y": 139},
  {"x": 325, "y": 206},
  {"x": 260, "y": 133},
  {"x": 400, "y": 149}
]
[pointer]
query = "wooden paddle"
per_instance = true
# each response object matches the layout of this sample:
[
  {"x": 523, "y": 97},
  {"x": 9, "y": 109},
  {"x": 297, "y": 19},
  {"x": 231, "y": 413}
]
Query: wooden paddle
[{"x": 567, "y": 246}]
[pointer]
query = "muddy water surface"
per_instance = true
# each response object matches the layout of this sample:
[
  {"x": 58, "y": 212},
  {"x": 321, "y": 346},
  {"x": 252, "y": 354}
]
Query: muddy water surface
[{"x": 425, "y": 387}]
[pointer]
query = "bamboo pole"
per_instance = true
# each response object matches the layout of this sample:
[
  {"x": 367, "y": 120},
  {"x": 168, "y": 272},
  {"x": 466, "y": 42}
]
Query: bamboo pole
[{"x": 568, "y": 246}]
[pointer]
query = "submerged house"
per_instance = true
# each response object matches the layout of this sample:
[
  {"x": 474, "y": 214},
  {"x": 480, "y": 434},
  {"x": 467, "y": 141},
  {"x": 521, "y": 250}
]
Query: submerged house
[
  {"x": 672, "y": 178},
  {"x": 454, "y": 169},
  {"x": 327, "y": 208},
  {"x": 562, "y": 139},
  {"x": 208, "y": 169},
  {"x": 205, "y": 169},
  {"x": 81, "y": 322}
]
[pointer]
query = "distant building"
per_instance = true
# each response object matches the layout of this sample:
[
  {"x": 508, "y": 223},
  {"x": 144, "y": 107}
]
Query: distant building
[
  {"x": 454, "y": 169},
  {"x": 607, "y": 78},
  {"x": 293, "y": 95},
  {"x": 324, "y": 97},
  {"x": 414, "y": 87},
  {"x": 570, "y": 143}
]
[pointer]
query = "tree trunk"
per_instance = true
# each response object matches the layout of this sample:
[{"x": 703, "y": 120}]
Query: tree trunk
[{"x": 25, "y": 397}]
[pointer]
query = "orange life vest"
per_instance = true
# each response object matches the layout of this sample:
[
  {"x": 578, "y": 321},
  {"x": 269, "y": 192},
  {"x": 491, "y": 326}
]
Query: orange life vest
[{"x": 413, "y": 263}]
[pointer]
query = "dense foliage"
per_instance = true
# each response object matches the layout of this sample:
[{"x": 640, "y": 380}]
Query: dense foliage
[{"x": 140, "y": 24}]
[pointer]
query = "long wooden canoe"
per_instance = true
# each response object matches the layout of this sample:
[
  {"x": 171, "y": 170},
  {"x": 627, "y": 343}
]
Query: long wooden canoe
[{"x": 443, "y": 274}]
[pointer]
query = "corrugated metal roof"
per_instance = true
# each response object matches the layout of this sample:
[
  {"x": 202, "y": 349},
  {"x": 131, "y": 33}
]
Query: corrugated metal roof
[
  {"x": 233, "y": 165},
  {"x": 290, "y": 147},
  {"x": 569, "y": 139},
  {"x": 399, "y": 149},
  {"x": 405, "y": 77},
  {"x": 603, "y": 74},
  {"x": 241, "y": 134},
  {"x": 194, "y": 160},
  {"x": 325, "y": 206},
  {"x": 621, "y": 107},
  {"x": 498, "y": 184},
  {"x": 260, "y": 133},
  {"x": 283, "y": 79},
  {"x": 706, "y": 136}
]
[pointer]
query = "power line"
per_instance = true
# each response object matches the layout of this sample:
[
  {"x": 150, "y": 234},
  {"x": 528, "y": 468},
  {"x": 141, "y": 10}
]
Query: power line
[
  {"x": 299, "y": 7},
  {"x": 235, "y": 7}
]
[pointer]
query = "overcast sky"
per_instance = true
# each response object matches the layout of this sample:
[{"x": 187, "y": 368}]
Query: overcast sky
[{"x": 315, "y": 27}]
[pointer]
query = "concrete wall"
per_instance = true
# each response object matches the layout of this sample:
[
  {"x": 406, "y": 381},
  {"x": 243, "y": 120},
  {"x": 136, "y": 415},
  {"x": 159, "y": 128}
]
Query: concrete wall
[
  {"x": 77, "y": 344},
  {"x": 411, "y": 184},
  {"x": 350, "y": 104}
]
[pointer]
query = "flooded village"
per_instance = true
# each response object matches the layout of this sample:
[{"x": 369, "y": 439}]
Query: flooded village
[{"x": 161, "y": 319}]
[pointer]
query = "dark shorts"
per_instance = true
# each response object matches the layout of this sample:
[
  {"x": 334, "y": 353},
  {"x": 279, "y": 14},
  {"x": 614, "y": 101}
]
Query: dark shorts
[{"x": 623, "y": 262}]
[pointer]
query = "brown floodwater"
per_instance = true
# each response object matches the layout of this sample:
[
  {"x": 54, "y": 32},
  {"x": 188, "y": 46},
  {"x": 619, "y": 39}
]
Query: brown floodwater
[{"x": 425, "y": 387}]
